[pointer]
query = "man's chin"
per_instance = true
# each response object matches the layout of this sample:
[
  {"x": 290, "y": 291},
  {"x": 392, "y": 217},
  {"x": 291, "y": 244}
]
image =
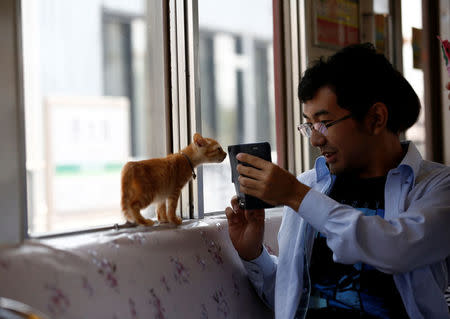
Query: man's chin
[{"x": 335, "y": 169}]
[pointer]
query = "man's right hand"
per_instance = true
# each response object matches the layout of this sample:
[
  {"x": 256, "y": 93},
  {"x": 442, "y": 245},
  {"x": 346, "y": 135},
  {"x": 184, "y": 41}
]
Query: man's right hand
[{"x": 246, "y": 229}]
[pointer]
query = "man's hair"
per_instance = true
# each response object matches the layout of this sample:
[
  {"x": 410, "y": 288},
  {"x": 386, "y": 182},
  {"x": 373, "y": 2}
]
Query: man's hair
[{"x": 361, "y": 77}]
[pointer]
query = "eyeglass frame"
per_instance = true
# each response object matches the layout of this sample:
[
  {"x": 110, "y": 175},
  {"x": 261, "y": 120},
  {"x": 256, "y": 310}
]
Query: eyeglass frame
[{"x": 306, "y": 129}]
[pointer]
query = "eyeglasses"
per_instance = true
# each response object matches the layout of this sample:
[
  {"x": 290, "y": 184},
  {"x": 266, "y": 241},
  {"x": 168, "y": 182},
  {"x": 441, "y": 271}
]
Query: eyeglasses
[{"x": 307, "y": 128}]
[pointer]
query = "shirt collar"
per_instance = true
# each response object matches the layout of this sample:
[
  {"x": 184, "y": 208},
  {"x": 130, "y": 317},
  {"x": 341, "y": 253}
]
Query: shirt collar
[
  {"x": 412, "y": 161},
  {"x": 321, "y": 168}
]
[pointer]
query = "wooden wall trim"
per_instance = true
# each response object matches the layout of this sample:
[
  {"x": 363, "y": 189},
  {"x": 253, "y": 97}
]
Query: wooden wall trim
[
  {"x": 432, "y": 81},
  {"x": 279, "y": 81}
]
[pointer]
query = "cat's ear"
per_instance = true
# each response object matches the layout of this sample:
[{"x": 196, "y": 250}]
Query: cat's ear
[{"x": 199, "y": 140}]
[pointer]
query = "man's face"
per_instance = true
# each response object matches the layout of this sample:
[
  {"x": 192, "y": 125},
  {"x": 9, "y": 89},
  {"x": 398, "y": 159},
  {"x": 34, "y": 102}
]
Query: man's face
[{"x": 345, "y": 146}]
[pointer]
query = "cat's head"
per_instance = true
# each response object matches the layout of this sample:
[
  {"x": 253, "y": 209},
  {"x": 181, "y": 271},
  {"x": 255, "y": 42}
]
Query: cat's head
[{"x": 208, "y": 149}]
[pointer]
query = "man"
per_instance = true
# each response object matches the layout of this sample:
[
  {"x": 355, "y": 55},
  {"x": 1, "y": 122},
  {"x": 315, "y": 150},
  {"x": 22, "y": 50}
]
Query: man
[{"x": 365, "y": 234}]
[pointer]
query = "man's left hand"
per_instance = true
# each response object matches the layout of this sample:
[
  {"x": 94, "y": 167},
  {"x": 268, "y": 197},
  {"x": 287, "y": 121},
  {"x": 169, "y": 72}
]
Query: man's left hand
[{"x": 269, "y": 182}]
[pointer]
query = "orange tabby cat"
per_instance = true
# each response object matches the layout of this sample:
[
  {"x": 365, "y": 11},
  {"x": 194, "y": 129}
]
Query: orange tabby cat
[{"x": 158, "y": 179}]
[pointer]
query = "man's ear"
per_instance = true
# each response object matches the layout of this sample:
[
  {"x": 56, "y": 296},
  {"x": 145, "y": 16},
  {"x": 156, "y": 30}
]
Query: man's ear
[
  {"x": 377, "y": 118},
  {"x": 199, "y": 140}
]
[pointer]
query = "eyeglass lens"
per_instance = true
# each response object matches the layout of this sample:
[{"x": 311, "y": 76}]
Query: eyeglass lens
[{"x": 306, "y": 130}]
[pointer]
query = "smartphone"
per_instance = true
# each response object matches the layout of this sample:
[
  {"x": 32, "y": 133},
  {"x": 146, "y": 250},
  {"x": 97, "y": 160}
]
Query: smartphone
[{"x": 261, "y": 150}]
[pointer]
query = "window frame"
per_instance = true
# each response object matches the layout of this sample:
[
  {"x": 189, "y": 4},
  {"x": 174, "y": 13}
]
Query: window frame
[
  {"x": 13, "y": 201},
  {"x": 289, "y": 60}
]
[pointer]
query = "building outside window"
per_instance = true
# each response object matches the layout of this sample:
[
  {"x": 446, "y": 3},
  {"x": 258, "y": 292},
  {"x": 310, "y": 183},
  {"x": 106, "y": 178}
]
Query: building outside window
[{"x": 85, "y": 106}]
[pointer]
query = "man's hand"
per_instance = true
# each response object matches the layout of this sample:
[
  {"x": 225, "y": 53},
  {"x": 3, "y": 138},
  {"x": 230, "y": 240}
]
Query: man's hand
[
  {"x": 246, "y": 229},
  {"x": 269, "y": 182}
]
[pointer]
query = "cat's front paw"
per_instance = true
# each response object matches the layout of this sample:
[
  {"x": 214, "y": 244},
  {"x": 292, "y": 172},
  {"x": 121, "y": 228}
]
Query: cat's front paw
[{"x": 176, "y": 220}]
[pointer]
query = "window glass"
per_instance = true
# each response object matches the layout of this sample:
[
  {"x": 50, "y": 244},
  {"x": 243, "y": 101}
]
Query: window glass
[
  {"x": 237, "y": 89},
  {"x": 85, "y": 108}
]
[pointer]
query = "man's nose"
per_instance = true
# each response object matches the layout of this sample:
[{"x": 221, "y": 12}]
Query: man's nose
[{"x": 317, "y": 139}]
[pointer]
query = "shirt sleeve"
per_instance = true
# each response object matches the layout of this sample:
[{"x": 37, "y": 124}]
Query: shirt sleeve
[
  {"x": 418, "y": 237},
  {"x": 262, "y": 272}
]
